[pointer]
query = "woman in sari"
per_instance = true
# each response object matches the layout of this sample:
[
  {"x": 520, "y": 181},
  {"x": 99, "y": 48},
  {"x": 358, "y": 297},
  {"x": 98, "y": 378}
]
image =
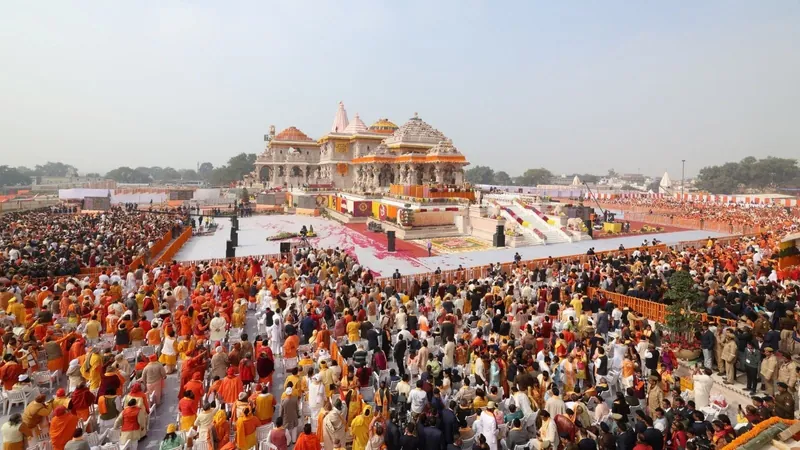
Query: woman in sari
[{"x": 568, "y": 370}]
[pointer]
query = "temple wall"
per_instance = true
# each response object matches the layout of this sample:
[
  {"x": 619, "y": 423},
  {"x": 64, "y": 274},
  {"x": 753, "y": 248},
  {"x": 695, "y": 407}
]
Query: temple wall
[{"x": 427, "y": 219}]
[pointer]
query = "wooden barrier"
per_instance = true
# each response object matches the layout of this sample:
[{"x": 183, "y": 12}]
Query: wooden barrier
[
  {"x": 692, "y": 224},
  {"x": 405, "y": 283}
]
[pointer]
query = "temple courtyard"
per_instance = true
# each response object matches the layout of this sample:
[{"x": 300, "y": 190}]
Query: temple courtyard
[{"x": 410, "y": 258}]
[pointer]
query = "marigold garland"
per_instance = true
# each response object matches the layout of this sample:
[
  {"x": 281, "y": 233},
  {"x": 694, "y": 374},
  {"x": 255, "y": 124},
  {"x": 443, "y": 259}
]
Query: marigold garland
[{"x": 757, "y": 429}]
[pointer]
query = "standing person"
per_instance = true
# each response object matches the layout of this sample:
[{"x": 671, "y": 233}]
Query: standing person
[
  {"x": 702, "y": 387},
  {"x": 752, "y": 363},
  {"x": 62, "y": 426},
  {"x": 154, "y": 375},
  {"x": 333, "y": 427},
  {"x": 33, "y": 415},
  {"x": 132, "y": 423},
  {"x": 290, "y": 413},
  {"x": 308, "y": 440},
  {"x": 246, "y": 425},
  {"x": 784, "y": 402},
  {"x": 707, "y": 342},
  {"x": 769, "y": 370},
  {"x": 13, "y": 439},
  {"x": 488, "y": 425},
  {"x": 729, "y": 351},
  {"x": 399, "y": 354}
]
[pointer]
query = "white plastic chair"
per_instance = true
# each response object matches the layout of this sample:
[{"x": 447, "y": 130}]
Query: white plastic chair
[
  {"x": 148, "y": 350},
  {"x": 262, "y": 435},
  {"x": 368, "y": 393},
  {"x": 14, "y": 397},
  {"x": 130, "y": 353},
  {"x": 44, "y": 377},
  {"x": 289, "y": 363}
]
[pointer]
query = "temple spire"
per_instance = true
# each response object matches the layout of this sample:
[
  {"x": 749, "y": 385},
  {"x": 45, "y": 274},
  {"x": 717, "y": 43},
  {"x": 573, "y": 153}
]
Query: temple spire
[{"x": 340, "y": 122}]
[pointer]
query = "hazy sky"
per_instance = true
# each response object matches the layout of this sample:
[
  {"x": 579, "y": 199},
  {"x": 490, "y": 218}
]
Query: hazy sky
[{"x": 571, "y": 86}]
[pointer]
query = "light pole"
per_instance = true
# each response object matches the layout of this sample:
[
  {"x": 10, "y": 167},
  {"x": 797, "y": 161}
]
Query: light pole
[{"x": 683, "y": 172}]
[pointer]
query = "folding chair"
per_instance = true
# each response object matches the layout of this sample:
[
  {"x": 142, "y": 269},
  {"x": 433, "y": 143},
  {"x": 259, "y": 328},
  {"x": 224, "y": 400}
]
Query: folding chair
[
  {"x": 44, "y": 377},
  {"x": 262, "y": 435},
  {"x": 130, "y": 353}
]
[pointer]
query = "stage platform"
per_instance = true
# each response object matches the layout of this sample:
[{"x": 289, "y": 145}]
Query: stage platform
[{"x": 372, "y": 253}]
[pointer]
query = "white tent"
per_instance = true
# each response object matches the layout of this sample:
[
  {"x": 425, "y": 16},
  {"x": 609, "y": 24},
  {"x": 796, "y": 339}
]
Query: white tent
[
  {"x": 665, "y": 186},
  {"x": 576, "y": 181}
]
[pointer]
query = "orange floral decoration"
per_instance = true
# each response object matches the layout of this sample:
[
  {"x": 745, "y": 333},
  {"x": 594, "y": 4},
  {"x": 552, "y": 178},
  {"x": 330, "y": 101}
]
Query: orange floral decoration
[
  {"x": 341, "y": 169},
  {"x": 757, "y": 429}
]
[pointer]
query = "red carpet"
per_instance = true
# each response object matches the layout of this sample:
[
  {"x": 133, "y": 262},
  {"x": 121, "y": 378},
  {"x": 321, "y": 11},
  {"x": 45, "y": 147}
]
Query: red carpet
[{"x": 379, "y": 241}]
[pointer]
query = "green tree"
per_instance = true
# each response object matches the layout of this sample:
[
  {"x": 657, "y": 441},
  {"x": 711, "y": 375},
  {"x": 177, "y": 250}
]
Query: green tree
[
  {"x": 204, "y": 170},
  {"x": 127, "y": 175},
  {"x": 54, "y": 169},
  {"x": 10, "y": 176},
  {"x": 682, "y": 300},
  {"x": 170, "y": 174},
  {"x": 93, "y": 175},
  {"x": 534, "y": 177},
  {"x": 242, "y": 164},
  {"x": 750, "y": 173},
  {"x": 188, "y": 175},
  {"x": 502, "y": 178},
  {"x": 480, "y": 175}
]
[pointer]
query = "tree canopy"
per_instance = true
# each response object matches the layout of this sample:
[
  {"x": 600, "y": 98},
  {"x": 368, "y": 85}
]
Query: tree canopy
[
  {"x": 54, "y": 169},
  {"x": 237, "y": 167},
  {"x": 533, "y": 177},
  {"x": 10, "y": 176},
  {"x": 127, "y": 175},
  {"x": 749, "y": 173}
]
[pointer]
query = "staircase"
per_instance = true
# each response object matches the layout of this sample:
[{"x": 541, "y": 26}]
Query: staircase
[
  {"x": 553, "y": 234},
  {"x": 530, "y": 236}
]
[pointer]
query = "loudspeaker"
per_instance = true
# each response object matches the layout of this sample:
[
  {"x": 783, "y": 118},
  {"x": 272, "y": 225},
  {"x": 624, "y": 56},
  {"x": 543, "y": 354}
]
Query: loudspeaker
[
  {"x": 234, "y": 237},
  {"x": 286, "y": 247},
  {"x": 499, "y": 238},
  {"x": 390, "y": 240},
  {"x": 230, "y": 250}
]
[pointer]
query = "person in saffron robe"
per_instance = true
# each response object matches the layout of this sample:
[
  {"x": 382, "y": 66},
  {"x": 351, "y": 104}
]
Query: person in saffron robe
[
  {"x": 62, "y": 426},
  {"x": 246, "y": 426},
  {"x": 196, "y": 386},
  {"x": 291, "y": 344},
  {"x": 81, "y": 400},
  {"x": 359, "y": 428},
  {"x": 231, "y": 387},
  {"x": 10, "y": 372},
  {"x": 132, "y": 424},
  {"x": 247, "y": 370},
  {"x": 92, "y": 368},
  {"x": 34, "y": 414},
  {"x": 61, "y": 399},
  {"x": 222, "y": 428},
  {"x": 307, "y": 440},
  {"x": 138, "y": 394},
  {"x": 265, "y": 405},
  {"x": 190, "y": 366},
  {"x": 326, "y": 408},
  {"x": 188, "y": 409}
]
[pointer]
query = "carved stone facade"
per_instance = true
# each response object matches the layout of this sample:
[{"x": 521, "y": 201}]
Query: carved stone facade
[{"x": 354, "y": 156}]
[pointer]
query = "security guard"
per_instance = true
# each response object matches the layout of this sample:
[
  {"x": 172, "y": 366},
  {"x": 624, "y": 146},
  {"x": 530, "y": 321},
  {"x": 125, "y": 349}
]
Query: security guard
[{"x": 784, "y": 402}]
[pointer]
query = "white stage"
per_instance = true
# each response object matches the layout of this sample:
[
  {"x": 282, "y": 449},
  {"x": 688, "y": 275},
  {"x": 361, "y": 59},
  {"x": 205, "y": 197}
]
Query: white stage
[{"x": 253, "y": 232}]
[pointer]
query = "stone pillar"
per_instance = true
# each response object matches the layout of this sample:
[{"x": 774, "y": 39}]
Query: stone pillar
[{"x": 439, "y": 172}]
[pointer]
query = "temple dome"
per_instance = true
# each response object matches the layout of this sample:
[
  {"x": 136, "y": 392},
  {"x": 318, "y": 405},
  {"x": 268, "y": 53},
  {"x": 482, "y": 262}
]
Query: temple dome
[
  {"x": 416, "y": 131},
  {"x": 383, "y": 126},
  {"x": 356, "y": 126},
  {"x": 292, "y": 134}
]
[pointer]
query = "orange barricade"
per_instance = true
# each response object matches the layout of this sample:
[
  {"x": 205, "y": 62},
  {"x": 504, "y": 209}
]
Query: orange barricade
[
  {"x": 174, "y": 247},
  {"x": 656, "y": 312},
  {"x": 156, "y": 249}
]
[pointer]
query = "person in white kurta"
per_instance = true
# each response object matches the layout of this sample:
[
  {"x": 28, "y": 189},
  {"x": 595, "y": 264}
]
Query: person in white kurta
[
  {"x": 218, "y": 325},
  {"x": 702, "y": 388},
  {"x": 316, "y": 398},
  {"x": 276, "y": 334},
  {"x": 488, "y": 426}
]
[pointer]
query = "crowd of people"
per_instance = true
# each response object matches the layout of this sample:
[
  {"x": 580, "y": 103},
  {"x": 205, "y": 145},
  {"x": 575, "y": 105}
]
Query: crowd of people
[
  {"x": 310, "y": 350},
  {"x": 773, "y": 217},
  {"x": 43, "y": 243}
]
